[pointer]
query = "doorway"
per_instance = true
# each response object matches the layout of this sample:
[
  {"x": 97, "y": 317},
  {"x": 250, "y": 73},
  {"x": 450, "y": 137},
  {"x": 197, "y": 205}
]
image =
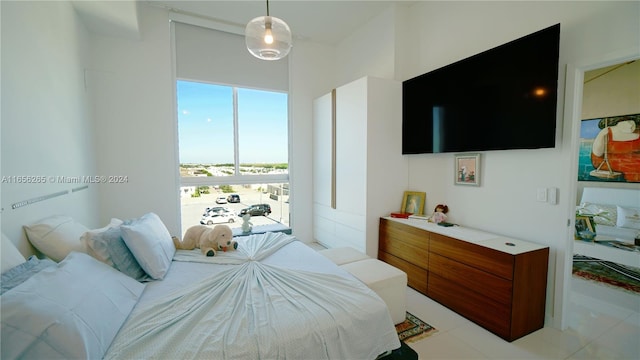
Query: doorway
[{"x": 575, "y": 100}]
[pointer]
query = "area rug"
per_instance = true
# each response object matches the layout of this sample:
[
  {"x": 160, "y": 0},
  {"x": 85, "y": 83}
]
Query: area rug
[
  {"x": 413, "y": 329},
  {"x": 607, "y": 273}
]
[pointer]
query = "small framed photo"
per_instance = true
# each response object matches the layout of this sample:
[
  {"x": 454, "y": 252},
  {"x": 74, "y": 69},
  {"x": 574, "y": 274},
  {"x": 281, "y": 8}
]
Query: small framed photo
[
  {"x": 413, "y": 202},
  {"x": 467, "y": 169}
]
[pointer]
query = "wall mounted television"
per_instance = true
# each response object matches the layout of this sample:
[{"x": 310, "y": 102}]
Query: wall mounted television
[{"x": 501, "y": 99}]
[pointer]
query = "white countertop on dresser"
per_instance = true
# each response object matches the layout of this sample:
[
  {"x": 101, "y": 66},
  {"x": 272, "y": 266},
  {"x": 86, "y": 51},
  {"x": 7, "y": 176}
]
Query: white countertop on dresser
[{"x": 482, "y": 238}]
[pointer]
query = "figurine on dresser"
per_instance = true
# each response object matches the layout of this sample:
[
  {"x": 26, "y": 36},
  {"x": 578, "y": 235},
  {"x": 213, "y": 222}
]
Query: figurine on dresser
[{"x": 439, "y": 214}]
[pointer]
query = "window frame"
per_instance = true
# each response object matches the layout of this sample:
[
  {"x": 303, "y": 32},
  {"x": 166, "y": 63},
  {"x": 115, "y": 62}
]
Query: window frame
[{"x": 236, "y": 178}]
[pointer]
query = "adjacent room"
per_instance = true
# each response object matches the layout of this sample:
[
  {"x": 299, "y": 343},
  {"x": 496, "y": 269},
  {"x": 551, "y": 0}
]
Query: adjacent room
[{"x": 134, "y": 131}]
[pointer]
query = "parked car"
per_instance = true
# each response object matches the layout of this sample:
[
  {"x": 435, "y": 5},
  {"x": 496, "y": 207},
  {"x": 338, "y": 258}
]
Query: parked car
[
  {"x": 215, "y": 209},
  {"x": 233, "y": 198},
  {"x": 221, "y": 199},
  {"x": 256, "y": 210},
  {"x": 218, "y": 217}
]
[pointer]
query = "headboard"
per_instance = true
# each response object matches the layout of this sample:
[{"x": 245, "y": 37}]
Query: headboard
[{"x": 609, "y": 196}]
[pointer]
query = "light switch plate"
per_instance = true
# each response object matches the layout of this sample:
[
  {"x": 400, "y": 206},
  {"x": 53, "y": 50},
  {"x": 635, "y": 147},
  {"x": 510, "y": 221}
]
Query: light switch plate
[
  {"x": 553, "y": 195},
  {"x": 541, "y": 194}
]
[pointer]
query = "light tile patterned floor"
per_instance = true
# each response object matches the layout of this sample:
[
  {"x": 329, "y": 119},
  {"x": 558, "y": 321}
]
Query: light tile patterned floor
[{"x": 604, "y": 323}]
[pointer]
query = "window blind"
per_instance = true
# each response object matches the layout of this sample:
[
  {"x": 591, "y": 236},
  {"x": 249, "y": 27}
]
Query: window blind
[{"x": 220, "y": 57}]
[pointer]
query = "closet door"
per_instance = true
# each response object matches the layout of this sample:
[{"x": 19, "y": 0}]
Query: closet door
[
  {"x": 324, "y": 226},
  {"x": 351, "y": 142}
]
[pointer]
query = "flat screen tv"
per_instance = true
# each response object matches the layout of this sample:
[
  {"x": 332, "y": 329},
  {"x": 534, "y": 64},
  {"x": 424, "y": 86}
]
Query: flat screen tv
[{"x": 501, "y": 99}]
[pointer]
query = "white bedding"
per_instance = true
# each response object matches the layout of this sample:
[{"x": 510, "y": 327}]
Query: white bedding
[
  {"x": 609, "y": 200},
  {"x": 273, "y": 298}
]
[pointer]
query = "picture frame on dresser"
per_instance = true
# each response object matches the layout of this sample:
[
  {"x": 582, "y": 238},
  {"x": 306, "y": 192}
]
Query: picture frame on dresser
[
  {"x": 467, "y": 169},
  {"x": 413, "y": 202}
]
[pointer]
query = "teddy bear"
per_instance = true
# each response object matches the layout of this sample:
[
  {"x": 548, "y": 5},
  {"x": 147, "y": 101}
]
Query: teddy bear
[
  {"x": 209, "y": 240},
  {"x": 246, "y": 224}
]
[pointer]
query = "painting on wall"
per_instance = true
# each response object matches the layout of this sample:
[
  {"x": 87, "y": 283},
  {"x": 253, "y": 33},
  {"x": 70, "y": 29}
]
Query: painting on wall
[
  {"x": 467, "y": 169},
  {"x": 610, "y": 149}
]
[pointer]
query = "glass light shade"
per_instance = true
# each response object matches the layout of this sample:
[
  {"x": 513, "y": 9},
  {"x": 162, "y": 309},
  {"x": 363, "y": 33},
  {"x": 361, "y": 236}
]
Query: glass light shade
[{"x": 258, "y": 33}]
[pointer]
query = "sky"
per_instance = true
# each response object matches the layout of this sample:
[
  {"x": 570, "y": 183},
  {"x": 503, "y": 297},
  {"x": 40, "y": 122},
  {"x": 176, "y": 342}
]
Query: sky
[
  {"x": 589, "y": 129},
  {"x": 205, "y": 124}
]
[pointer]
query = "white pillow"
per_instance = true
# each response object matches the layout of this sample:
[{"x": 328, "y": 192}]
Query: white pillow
[
  {"x": 602, "y": 214},
  {"x": 56, "y": 236},
  {"x": 71, "y": 311},
  {"x": 11, "y": 256},
  {"x": 628, "y": 217},
  {"x": 96, "y": 249},
  {"x": 150, "y": 242}
]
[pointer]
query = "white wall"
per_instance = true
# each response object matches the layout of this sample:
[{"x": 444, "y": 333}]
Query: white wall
[
  {"x": 369, "y": 51},
  {"x": 131, "y": 84},
  {"x": 45, "y": 117},
  {"x": 611, "y": 93}
]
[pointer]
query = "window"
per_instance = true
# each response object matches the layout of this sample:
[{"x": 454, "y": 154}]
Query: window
[{"x": 233, "y": 151}]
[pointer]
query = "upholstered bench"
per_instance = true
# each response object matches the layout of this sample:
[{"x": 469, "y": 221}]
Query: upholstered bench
[
  {"x": 343, "y": 255},
  {"x": 388, "y": 282}
]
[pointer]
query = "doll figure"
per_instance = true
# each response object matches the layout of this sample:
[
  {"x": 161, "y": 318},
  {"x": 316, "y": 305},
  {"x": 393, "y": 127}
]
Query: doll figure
[{"x": 439, "y": 214}]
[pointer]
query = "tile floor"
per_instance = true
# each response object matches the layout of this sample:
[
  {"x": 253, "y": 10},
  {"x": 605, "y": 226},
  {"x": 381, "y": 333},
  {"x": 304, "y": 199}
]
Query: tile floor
[{"x": 604, "y": 323}]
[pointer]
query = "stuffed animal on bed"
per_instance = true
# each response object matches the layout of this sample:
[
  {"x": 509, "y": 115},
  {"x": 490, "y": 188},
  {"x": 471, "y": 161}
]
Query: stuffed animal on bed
[{"x": 208, "y": 240}]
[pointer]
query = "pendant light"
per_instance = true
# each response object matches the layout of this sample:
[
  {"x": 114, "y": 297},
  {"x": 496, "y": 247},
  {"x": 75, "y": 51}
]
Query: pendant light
[{"x": 267, "y": 37}]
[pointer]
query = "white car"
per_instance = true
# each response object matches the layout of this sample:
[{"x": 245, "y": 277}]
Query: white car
[
  {"x": 225, "y": 216},
  {"x": 221, "y": 199}
]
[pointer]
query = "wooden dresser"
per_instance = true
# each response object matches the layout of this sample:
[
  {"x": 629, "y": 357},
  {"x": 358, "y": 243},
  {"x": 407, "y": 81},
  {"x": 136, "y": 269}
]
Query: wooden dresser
[{"x": 498, "y": 283}]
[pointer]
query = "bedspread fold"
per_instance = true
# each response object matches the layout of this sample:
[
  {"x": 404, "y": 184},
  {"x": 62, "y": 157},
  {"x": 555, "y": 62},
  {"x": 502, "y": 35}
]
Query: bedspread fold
[{"x": 255, "y": 310}]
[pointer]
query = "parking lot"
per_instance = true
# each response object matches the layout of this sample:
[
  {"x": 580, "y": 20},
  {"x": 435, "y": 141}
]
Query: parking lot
[{"x": 193, "y": 208}]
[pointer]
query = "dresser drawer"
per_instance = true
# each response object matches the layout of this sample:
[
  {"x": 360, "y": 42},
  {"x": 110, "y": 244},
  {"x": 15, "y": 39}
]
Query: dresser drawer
[
  {"x": 404, "y": 241},
  {"x": 490, "y": 286},
  {"x": 416, "y": 276},
  {"x": 485, "y": 312},
  {"x": 486, "y": 259}
]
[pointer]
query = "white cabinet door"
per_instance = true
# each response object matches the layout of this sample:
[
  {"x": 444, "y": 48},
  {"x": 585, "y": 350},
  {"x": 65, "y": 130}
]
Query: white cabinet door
[
  {"x": 370, "y": 171},
  {"x": 351, "y": 147},
  {"x": 322, "y": 150}
]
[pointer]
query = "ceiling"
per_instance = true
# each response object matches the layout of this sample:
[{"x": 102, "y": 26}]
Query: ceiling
[{"x": 320, "y": 21}]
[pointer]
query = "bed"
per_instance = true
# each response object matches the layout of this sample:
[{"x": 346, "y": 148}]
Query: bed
[
  {"x": 273, "y": 298},
  {"x": 616, "y": 214}
]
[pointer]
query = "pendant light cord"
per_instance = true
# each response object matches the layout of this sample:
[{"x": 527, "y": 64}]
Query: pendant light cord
[{"x": 267, "y": 7}]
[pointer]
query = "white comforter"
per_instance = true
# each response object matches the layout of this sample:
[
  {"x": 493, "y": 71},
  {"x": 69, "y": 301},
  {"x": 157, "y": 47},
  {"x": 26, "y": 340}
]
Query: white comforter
[{"x": 253, "y": 308}]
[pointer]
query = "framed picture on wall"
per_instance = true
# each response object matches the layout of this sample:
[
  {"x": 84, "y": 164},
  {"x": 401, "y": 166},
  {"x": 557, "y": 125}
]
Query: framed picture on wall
[
  {"x": 609, "y": 148},
  {"x": 467, "y": 169},
  {"x": 413, "y": 202}
]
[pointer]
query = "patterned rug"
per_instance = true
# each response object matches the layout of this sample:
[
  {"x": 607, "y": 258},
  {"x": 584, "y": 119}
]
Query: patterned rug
[
  {"x": 414, "y": 329},
  {"x": 622, "y": 277}
]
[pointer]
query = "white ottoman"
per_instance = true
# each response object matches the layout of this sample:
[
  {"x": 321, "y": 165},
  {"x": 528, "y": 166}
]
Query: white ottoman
[
  {"x": 390, "y": 283},
  {"x": 343, "y": 255}
]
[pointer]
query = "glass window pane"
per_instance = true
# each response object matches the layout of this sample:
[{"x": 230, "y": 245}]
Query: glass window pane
[
  {"x": 205, "y": 129},
  {"x": 212, "y": 205},
  {"x": 262, "y": 132}
]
